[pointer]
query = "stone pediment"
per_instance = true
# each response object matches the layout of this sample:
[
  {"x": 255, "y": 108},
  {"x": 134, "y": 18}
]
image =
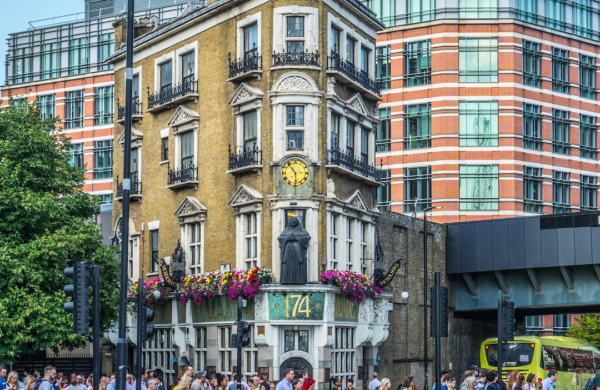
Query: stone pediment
[
  {"x": 245, "y": 194},
  {"x": 182, "y": 116},
  {"x": 189, "y": 207},
  {"x": 357, "y": 201},
  {"x": 135, "y": 135},
  {"x": 245, "y": 93},
  {"x": 357, "y": 104}
]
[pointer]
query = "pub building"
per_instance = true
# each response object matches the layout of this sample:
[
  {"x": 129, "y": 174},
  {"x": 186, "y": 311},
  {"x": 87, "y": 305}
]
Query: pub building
[{"x": 253, "y": 145}]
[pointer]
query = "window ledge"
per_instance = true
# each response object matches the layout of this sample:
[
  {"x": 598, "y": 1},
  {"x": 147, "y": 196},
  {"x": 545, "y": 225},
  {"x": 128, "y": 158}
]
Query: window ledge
[
  {"x": 242, "y": 76},
  {"x": 354, "y": 175},
  {"x": 339, "y": 76},
  {"x": 174, "y": 102},
  {"x": 137, "y": 197},
  {"x": 254, "y": 167},
  {"x": 152, "y": 274},
  {"x": 134, "y": 118},
  {"x": 189, "y": 183},
  {"x": 163, "y": 162},
  {"x": 311, "y": 67}
]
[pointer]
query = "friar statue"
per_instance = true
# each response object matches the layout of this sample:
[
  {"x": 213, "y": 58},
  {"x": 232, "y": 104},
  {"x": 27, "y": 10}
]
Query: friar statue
[{"x": 293, "y": 243}]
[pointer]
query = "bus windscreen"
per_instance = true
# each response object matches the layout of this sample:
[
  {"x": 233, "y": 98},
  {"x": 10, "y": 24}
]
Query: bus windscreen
[{"x": 515, "y": 354}]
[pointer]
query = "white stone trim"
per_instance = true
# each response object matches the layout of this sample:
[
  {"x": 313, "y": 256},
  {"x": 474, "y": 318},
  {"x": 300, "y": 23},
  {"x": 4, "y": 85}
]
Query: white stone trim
[
  {"x": 346, "y": 31},
  {"x": 247, "y": 21},
  {"x": 164, "y": 133},
  {"x": 153, "y": 225},
  {"x": 138, "y": 71},
  {"x": 157, "y": 63},
  {"x": 311, "y": 26},
  {"x": 181, "y": 52}
]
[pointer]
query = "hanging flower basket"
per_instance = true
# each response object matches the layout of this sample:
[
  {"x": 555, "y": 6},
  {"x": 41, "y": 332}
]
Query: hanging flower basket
[{"x": 355, "y": 286}]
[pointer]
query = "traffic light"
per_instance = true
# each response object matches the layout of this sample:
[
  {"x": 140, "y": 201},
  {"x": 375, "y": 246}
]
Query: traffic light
[
  {"x": 146, "y": 327},
  {"x": 242, "y": 340},
  {"x": 508, "y": 321},
  {"x": 444, "y": 311},
  {"x": 80, "y": 292}
]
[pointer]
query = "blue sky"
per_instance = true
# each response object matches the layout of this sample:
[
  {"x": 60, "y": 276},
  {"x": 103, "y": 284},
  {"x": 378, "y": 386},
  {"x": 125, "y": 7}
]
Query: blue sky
[{"x": 17, "y": 13}]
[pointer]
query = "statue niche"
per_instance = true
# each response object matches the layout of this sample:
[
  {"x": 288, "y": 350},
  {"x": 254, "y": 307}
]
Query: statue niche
[{"x": 293, "y": 243}]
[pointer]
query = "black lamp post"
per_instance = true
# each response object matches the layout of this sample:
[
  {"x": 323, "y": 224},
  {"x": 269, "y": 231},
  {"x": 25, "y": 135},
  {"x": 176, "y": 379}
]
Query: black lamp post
[{"x": 425, "y": 338}]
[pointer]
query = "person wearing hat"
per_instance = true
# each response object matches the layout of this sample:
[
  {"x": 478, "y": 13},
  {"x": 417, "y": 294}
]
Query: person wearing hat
[
  {"x": 475, "y": 368},
  {"x": 199, "y": 382},
  {"x": 375, "y": 383}
]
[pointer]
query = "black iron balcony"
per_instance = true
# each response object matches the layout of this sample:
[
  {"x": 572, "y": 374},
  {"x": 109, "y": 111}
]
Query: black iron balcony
[
  {"x": 335, "y": 63},
  {"x": 296, "y": 58},
  {"x": 136, "y": 108},
  {"x": 182, "y": 176},
  {"x": 250, "y": 62},
  {"x": 136, "y": 186},
  {"x": 354, "y": 165},
  {"x": 172, "y": 94},
  {"x": 249, "y": 157}
]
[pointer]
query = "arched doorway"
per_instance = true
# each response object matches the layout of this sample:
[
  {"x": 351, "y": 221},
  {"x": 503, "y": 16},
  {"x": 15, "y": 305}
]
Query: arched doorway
[{"x": 298, "y": 365}]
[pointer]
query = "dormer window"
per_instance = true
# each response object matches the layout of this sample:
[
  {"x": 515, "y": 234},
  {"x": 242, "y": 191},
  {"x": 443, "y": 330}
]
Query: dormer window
[{"x": 295, "y": 34}]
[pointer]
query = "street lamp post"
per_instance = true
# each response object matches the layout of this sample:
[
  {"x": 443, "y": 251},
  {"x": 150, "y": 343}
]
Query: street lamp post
[{"x": 425, "y": 338}]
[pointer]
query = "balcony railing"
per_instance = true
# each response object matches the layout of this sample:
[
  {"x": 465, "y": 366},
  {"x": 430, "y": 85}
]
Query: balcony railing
[
  {"x": 244, "y": 157},
  {"x": 136, "y": 186},
  {"x": 353, "y": 164},
  {"x": 136, "y": 108},
  {"x": 244, "y": 65},
  {"x": 334, "y": 62},
  {"x": 169, "y": 93},
  {"x": 189, "y": 172},
  {"x": 296, "y": 58}
]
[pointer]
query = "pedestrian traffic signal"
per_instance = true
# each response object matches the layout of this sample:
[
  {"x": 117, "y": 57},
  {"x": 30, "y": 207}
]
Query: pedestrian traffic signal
[
  {"x": 80, "y": 293},
  {"x": 443, "y": 311},
  {"x": 243, "y": 334},
  {"x": 508, "y": 321},
  {"x": 146, "y": 327}
]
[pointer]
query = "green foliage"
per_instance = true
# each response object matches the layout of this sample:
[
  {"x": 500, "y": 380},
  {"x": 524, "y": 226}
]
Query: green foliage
[
  {"x": 587, "y": 328},
  {"x": 45, "y": 219}
]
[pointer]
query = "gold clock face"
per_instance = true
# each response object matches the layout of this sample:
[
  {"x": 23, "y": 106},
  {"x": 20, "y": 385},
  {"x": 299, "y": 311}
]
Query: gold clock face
[{"x": 294, "y": 172}]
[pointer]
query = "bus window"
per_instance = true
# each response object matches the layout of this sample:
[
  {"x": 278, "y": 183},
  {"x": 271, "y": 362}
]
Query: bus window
[
  {"x": 568, "y": 360},
  {"x": 583, "y": 361},
  {"x": 552, "y": 360},
  {"x": 515, "y": 354},
  {"x": 596, "y": 360}
]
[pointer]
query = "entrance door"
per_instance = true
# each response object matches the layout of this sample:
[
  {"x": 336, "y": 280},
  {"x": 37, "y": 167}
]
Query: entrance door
[{"x": 298, "y": 365}]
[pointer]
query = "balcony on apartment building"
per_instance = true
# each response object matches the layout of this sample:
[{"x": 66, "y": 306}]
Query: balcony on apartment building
[
  {"x": 135, "y": 192},
  {"x": 249, "y": 66},
  {"x": 184, "y": 176},
  {"x": 296, "y": 58},
  {"x": 245, "y": 159},
  {"x": 170, "y": 95},
  {"x": 136, "y": 110},
  {"x": 347, "y": 73},
  {"x": 358, "y": 168}
]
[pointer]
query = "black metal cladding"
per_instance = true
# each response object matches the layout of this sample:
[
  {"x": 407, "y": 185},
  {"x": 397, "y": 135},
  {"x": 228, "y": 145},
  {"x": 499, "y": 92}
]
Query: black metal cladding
[
  {"x": 351, "y": 163},
  {"x": 136, "y": 107},
  {"x": 296, "y": 58},
  {"x": 526, "y": 242},
  {"x": 243, "y": 65},
  {"x": 245, "y": 158},
  {"x": 335, "y": 62},
  {"x": 170, "y": 93}
]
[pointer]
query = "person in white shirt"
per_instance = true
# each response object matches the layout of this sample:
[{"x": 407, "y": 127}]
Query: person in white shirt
[{"x": 375, "y": 383}]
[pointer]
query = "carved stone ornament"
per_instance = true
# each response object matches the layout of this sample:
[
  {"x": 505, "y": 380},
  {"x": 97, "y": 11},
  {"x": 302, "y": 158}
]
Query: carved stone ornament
[
  {"x": 243, "y": 96},
  {"x": 356, "y": 203},
  {"x": 357, "y": 106},
  {"x": 261, "y": 308},
  {"x": 380, "y": 310},
  {"x": 183, "y": 115},
  {"x": 294, "y": 83},
  {"x": 189, "y": 206},
  {"x": 243, "y": 197},
  {"x": 331, "y": 85},
  {"x": 181, "y": 118}
]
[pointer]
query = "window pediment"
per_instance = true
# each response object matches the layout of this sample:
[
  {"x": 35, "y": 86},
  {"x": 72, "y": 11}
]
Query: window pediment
[
  {"x": 357, "y": 104},
  {"x": 245, "y": 195},
  {"x": 136, "y": 135},
  {"x": 183, "y": 116},
  {"x": 190, "y": 210},
  {"x": 295, "y": 82},
  {"x": 245, "y": 94},
  {"x": 357, "y": 201}
]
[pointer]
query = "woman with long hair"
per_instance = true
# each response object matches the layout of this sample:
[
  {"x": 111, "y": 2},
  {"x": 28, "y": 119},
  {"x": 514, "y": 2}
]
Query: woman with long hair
[
  {"x": 408, "y": 383},
  {"x": 385, "y": 384},
  {"x": 103, "y": 383},
  {"x": 29, "y": 382},
  {"x": 184, "y": 383},
  {"x": 176, "y": 381},
  {"x": 470, "y": 382},
  {"x": 222, "y": 381},
  {"x": 12, "y": 381},
  {"x": 530, "y": 383},
  {"x": 511, "y": 380}
]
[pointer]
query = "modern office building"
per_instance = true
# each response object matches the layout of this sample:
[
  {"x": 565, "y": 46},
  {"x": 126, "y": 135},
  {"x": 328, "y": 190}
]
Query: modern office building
[{"x": 490, "y": 107}]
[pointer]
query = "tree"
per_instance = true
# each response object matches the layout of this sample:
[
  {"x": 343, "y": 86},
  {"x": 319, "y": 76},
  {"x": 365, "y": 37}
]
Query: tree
[
  {"x": 587, "y": 328},
  {"x": 46, "y": 224}
]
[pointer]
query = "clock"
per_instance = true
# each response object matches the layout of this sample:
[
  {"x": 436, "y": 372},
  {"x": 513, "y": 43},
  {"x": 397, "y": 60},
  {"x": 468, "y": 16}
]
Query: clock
[{"x": 294, "y": 172}]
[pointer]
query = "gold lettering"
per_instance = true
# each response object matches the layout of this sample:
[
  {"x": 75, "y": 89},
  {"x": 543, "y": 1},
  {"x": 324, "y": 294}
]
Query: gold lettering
[
  {"x": 306, "y": 306},
  {"x": 287, "y": 306},
  {"x": 296, "y": 305}
]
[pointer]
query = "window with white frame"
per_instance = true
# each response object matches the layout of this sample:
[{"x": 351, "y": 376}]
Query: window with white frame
[
  {"x": 186, "y": 143},
  {"x": 343, "y": 354},
  {"x": 334, "y": 35},
  {"x": 295, "y": 127},
  {"x": 335, "y": 131},
  {"x": 133, "y": 260},
  {"x": 296, "y": 340},
  {"x": 201, "y": 349},
  {"x": 334, "y": 226},
  {"x": 350, "y": 229},
  {"x": 251, "y": 40},
  {"x": 364, "y": 247},
  {"x": 350, "y": 46},
  {"x": 47, "y": 106},
  {"x": 364, "y": 60},
  {"x": 188, "y": 67},
  {"x": 194, "y": 238},
  {"x": 165, "y": 73},
  {"x": 364, "y": 145},
  {"x": 294, "y": 37},
  {"x": 250, "y": 240},
  {"x": 250, "y": 130},
  {"x": 225, "y": 357},
  {"x": 350, "y": 138},
  {"x": 74, "y": 113}
]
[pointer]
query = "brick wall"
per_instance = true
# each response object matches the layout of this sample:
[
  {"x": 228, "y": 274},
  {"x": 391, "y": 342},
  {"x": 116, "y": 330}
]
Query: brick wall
[{"x": 401, "y": 237}]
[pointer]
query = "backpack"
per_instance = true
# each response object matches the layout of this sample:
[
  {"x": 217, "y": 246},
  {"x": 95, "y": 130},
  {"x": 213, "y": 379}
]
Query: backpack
[
  {"x": 38, "y": 382},
  {"x": 590, "y": 383}
]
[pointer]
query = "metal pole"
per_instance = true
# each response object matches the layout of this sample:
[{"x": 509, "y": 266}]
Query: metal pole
[
  {"x": 425, "y": 339},
  {"x": 122, "y": 341},
  {"x": 500, "y": 299},
  {"x": 96, "y": 325},
  {"x": 140, "y": 333},
  {"x": 239, "y": 343},
  {"x": 438, "y": 330}
]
